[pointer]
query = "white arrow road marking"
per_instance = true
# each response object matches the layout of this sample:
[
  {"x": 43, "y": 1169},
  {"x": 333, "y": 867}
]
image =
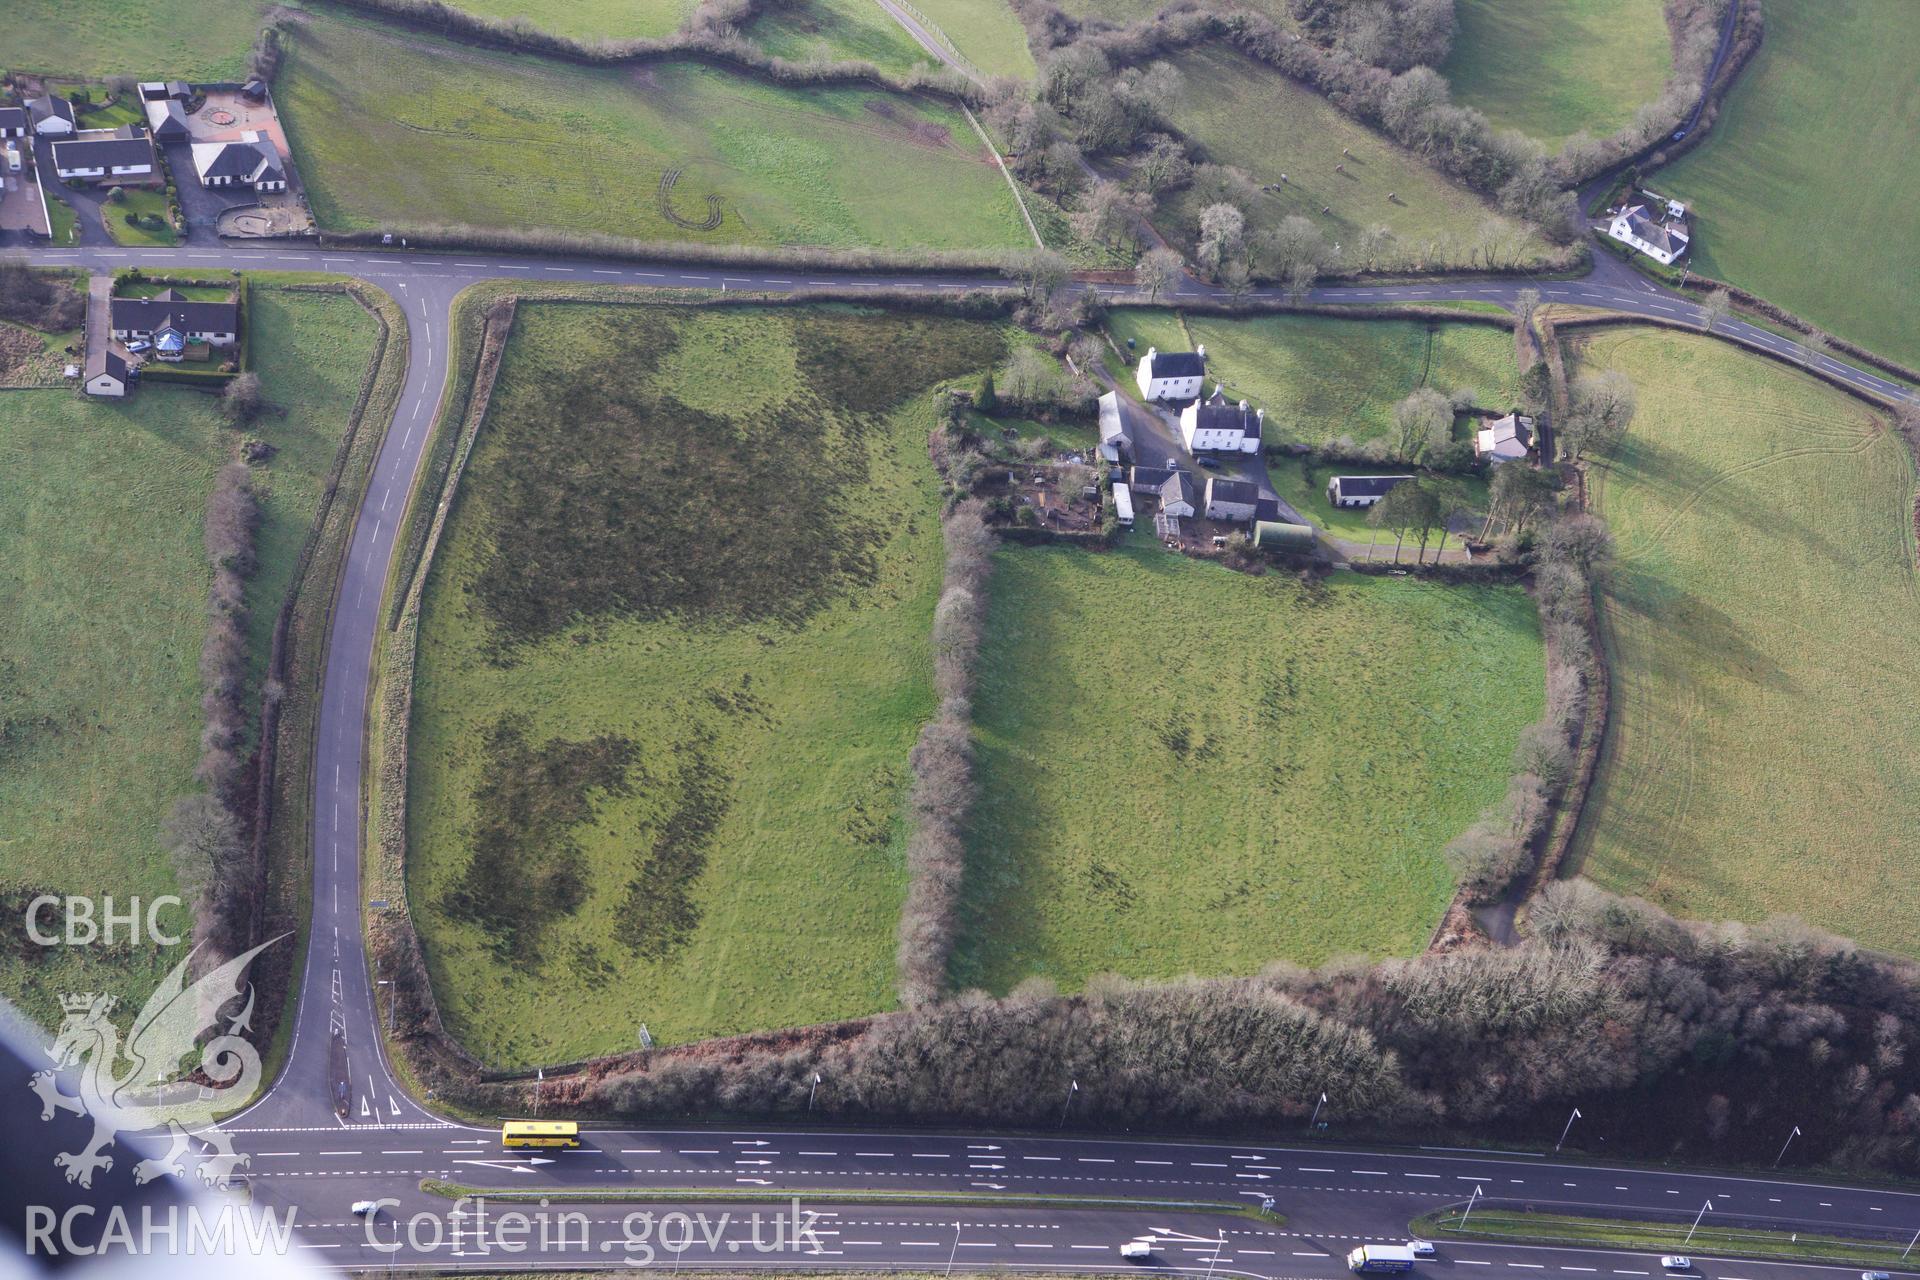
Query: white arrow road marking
[
  {"x": 758, "y": 1182},
  {"x": 991, "y": 1186},
  {"x": 502, "y": 1164},
  {"x": 982, "y": 1146}
]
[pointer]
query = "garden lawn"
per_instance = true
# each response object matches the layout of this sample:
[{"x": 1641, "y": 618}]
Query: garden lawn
[
  {"x": 1805, "y": 190},
  {"x": 393, "y": 130},
  {"x": 1322, "y": 377},
  {"x": 682, "y": 809},
  {"x": 1763, "y": 754},
  {"x": 1552, "y": 68},
  {"x": 986, "y": 32},
  {"x": 139, "y": 202},
  {"x": 1305, "y": 488},
  {"x": 1270, "y": 775},
  {"x": 1247, "y": 115},
  {"x": 591, "y": 20},
  {"x": 103, "y": 613},
  {"x": 186, "y": 39},
  {"x": 835, "y": 29}
]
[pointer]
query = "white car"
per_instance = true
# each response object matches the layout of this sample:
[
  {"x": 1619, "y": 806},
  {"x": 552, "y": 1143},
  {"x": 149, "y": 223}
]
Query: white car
[
  {"x": 1422, "y": 1248},
  {"x": 366, "y": 1209},
  {"x": 1140, "y": 1250},
  {"x": 1677, "y": 1262}
]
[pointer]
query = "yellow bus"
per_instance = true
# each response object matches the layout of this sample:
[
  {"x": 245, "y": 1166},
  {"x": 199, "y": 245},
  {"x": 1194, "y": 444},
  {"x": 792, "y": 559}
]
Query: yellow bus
[{"x": 539, "y": 1133}]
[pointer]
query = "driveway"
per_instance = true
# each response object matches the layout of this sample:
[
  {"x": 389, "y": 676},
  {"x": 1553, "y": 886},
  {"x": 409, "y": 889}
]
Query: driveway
[
  {"x": 200, "y": 206},
  {"x": 1153, "y": 431}
]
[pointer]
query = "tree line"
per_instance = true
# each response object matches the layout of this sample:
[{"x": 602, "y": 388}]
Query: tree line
[
  {"x": 1679, "y": 1040},
  {"x": 205, "y": 832}
]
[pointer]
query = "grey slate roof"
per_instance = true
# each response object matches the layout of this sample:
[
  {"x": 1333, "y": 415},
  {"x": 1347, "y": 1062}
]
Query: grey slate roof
[
  {"x": 1177, "y": 364},
  {"x": 1222, "y": 490},
  {"x": 14, "y": 118},
  {"x": 1179, "y": 488},
  {"x": 50, "y": 106},
  {"x": 77, "y": 153},
  {"x": 143, "y": 315},
  {"x": 1368, "y": 486},
  {"x": 105, "y": 361},
  {"x": 1217, "y": 413}
]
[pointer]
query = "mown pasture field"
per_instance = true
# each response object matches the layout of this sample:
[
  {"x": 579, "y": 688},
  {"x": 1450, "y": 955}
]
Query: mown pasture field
[
  {"x": 1252, "y": 117},
  {"x": 1322, "y": 377},
  {"x": 833, "y": 29},
  {"x": 93, "y": 38},
  {"x": 591, "y": 20},
  {"x": 406, "y": 130},
  {"x": 1272, "y": 779},
  {"x": 674, "y": 652},
  {"x": 1552, "y": 68},
  {"x": 104, "y": 608},
  {"x": 986, "y": 32},
  {"x": 1804, "y": 192},
  {"x": 1762, "y": 751}
]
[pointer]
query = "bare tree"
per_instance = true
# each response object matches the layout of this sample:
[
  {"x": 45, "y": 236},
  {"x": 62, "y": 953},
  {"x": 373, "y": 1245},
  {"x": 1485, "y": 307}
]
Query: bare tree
[
  {"x": 243, "y": 399},
  {"x": 1600, "y": 408},
  {"x": 1159, "y": 272},
  {"x": 1424, "y": 421},
  {"x": 1525, "y": 303},
  {"x": 1714, "y": 309},
  {"x": 1223, "y": 230}
]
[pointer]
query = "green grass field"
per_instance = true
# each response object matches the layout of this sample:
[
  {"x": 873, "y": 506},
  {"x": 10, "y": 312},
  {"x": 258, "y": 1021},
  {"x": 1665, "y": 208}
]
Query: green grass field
[
  {"x": 1552, "y": 68},
  {"x": 1252, "y": 117},
  {"x": 1273, "y": 780},
  {"x": 139, "y": 201},
  {"x": 1321, "y": 377},
  {"x": 986, "y": 32},
  {"x": 1798, "y": 194},
  {"x": 390, "y": 130},
  {"x": 711, "y": 838},
  {"x": 1762, "y": 755},
  {"x": 93, "y": 38},
  {"x": 592, "y": 20},
  {"x": 102, "y": 615},
  {"x": 832, "y": 29}
]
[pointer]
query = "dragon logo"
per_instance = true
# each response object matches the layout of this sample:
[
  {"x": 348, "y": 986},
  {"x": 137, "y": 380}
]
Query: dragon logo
[{"x": 140, "y": 1086}]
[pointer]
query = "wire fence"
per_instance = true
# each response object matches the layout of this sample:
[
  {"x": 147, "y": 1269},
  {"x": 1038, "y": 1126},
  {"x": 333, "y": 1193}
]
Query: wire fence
[{"x": 932, "y": 28}]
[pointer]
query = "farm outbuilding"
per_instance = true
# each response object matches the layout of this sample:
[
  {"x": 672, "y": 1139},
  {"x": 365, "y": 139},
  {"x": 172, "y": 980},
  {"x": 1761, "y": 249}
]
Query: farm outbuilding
[{"x": 1277, "y": 535}]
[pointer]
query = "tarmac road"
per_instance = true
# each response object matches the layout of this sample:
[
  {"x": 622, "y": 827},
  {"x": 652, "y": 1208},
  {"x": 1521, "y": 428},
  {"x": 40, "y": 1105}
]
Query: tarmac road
[{"x": 307, "y": 1156}]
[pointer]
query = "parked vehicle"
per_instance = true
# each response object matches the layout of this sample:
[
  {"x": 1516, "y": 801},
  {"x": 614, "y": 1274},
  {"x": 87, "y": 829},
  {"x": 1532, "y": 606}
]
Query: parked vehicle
[
  {"x": 137, "y": 347},
  {"x": 1140, "y": 1250},
  {"x": 1422, "y": 1248},
  {"x": 1875, "y": 1275},
  {"x": 1677, "y": 1262},
  {"x": 1380, "y": 1258},
  {"x": 1210, "y": 463}
]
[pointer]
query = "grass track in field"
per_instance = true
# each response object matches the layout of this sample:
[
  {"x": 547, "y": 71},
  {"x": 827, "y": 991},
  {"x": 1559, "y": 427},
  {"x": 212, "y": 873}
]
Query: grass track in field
[
  {"x": 1805, "y": 191},
  {"x": 396, "y": 129},
  {"x": 1551, "y": 68},
  {"x": 1187, "y": 770},
  {"x": 806, "y": 722},
  {"x": 1250, "y": 116},
  {"x": 1763, "y": 750},
  {"x": 1321, "y": 377},
  {"x": 102, "y": 620}
]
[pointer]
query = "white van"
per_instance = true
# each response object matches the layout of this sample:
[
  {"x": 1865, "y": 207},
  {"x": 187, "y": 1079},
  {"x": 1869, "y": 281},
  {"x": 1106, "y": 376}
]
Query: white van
[{"x": 1140, "y": 1250}]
